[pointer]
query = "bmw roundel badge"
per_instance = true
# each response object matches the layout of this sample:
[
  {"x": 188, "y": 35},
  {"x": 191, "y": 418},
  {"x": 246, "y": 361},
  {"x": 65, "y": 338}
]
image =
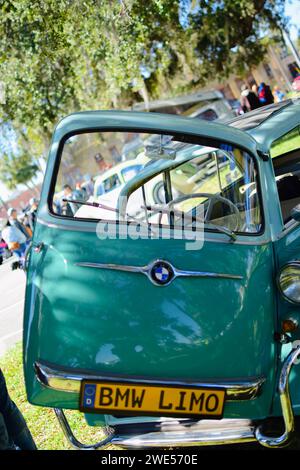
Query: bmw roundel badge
[{"x": 161, "y": 273}]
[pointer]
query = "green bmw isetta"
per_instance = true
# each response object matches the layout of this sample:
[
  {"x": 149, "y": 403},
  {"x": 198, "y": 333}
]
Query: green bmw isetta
[{"x": 166, "y": 305}]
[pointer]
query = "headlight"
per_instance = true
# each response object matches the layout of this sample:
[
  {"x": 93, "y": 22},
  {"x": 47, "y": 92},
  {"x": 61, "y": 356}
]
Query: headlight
[{"x": 289, "y": 282}]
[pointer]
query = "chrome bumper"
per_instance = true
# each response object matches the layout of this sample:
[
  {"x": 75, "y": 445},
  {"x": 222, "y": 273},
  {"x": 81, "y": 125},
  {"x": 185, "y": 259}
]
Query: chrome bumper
[
  {"x": 202, "y": 433},
  {"x": 286, "y": 406},
  {"x": 70, "y": 381}
]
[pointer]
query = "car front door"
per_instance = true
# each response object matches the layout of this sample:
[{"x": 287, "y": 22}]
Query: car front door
[
  {"x": 286, "y": 160},
  {"x": 134, "y": 292}
]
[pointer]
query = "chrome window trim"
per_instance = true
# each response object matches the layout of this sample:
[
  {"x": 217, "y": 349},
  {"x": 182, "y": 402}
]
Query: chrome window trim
[
  {"x": 73, "y": 226},
  {"x": 70, "y": 381},
  {"x": 289, "y": 227}
]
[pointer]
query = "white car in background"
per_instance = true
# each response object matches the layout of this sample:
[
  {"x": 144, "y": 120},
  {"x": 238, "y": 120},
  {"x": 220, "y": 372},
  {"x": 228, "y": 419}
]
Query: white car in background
[{"x": 108, "y": 187}]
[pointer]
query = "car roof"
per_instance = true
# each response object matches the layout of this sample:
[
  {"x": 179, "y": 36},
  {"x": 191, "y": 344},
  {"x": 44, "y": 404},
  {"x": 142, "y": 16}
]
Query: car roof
[
  {"x": 270, "y": 122},
  {"x": 254, "y": 130},
  {"x": 153, "y": 123}
]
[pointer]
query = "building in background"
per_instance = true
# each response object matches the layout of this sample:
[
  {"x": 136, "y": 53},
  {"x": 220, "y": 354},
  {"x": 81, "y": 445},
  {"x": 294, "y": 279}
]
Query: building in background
[
  {"x": 18, "y": 201},
  {"x": 278, "y": 69}
]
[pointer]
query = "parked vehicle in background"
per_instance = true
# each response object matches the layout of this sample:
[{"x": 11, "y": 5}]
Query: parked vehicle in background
[
  {"x": 4, "y": 251},
  {"x": 296, "y": 83},
  {"x": 109, "y": 184},
  {"x": 115, "y": 177},
  {"x": 208, "y": 105},
  {"x": 174, "y": 323}
]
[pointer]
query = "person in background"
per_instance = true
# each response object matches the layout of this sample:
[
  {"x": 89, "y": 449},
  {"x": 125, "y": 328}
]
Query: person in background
[
  {"x": 13, "y": 219},
  {"x": 3, "y": 247},
  {"x": 16, "y": 242},
  {"x": 254, "y": 89},
  {"x": 14, "y": 433},
  {"x": 33, "y": 203},
  {"x": 249, "y": 100},
  {"x": 24, "y": 219},
  {"x": 102, "y": 164},
  {"x": 88, "y": 185},
  {"x": 80, "y": 192},
  {"x": 265, "y": 95},
  {"x": 278, "y": 94},
  {"x": 69, "y": 208}
]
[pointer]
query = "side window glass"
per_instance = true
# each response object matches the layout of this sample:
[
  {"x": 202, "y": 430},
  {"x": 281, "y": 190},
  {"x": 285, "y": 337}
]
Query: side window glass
[
  {"x": 286, "y": 143},
  {"x": 285, "y": 153},
  {"x": 111, "y": 183},
  {"x": 219, "y": 185},
  {"x": 105, "y": 185},
  {"x": 130, "y": 172}
]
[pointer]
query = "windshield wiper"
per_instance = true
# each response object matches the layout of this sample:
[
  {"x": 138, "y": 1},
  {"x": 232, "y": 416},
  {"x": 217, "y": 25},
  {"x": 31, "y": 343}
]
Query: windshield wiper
[
  {"x": 108, "y": 208},
  {"x": 91, "y": 204},
  {"x": 157, "y": 208}
]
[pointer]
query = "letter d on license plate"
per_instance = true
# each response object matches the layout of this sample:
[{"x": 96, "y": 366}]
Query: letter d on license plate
[{"x": 155, "y": 400}]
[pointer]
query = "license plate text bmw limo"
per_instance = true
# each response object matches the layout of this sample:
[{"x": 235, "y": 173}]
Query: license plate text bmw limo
[{"x": 155, "y": 400}]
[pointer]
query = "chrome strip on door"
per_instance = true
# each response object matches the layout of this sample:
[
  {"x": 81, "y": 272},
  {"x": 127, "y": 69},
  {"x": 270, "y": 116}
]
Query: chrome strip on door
[{"x": 148, "y": 269}]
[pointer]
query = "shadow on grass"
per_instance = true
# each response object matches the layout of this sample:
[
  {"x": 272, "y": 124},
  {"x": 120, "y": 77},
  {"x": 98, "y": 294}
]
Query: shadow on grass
[{"x": 42, "y": 422}]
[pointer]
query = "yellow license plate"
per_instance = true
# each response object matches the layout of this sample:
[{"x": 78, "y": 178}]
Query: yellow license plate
[{"x": 156, "y": 400}]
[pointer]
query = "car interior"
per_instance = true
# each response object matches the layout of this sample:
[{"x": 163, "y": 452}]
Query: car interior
[
  {"x": 287, "y": 174},
  {"x": 232, "y": 203}
]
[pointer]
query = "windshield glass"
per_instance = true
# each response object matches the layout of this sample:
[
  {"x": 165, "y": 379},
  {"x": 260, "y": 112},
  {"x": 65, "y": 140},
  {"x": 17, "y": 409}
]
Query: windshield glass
[{"x": 161, "y": 181}]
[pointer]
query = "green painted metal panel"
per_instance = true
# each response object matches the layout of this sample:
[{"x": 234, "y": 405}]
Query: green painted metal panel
[
  {"x": 112, "y": 322},
  {"x": 120, "y": 323},
  {"x": 287, "y": 248}
]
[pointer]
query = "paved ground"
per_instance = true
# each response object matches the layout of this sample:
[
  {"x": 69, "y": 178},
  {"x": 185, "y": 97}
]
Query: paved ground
[{"x": 12, "y": 288}]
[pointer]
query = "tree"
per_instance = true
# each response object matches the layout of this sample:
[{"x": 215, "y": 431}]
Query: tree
[
  {"x": 59, "y": 57},
  {"x": 15, "y": 170}
]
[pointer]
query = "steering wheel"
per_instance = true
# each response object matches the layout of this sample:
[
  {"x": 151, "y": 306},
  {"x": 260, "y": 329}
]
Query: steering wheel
[{"x": 212, "y": 198}]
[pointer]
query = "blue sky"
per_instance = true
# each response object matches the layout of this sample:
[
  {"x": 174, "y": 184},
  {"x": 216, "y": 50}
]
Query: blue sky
[{"x": 292, "y": 10}]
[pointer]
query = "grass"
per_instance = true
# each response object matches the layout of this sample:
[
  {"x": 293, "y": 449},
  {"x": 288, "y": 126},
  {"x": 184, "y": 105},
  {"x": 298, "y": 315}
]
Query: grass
[
  {"x": 42, "y": 422},
  {"x": 285, "y": 145}
]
